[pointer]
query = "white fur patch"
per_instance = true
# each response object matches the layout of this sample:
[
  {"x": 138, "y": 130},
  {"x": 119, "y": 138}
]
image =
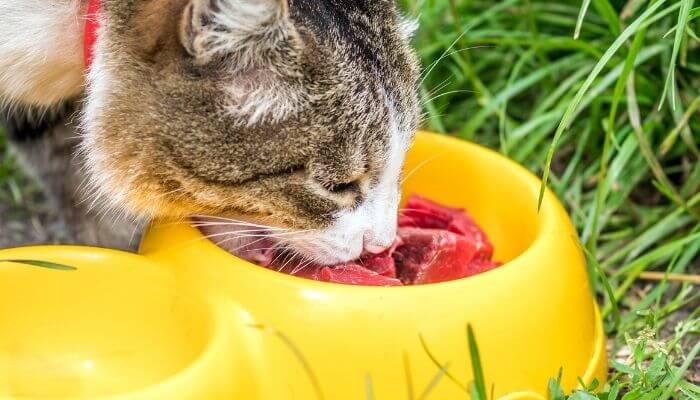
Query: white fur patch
[
  {"x": 236, "y": 22},
  {"x": 408, "y": 27},
  {"x": 104, "y": 191},
  {"x": 260, "y": 101},
  {"x": 41, "y": 55},
  {"x": 247, "y": 29}
]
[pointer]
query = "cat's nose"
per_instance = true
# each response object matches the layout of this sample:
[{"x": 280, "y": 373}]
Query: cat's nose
[
  {"x": 374, "y": 249},
  {"x": 373, "y": 244}
]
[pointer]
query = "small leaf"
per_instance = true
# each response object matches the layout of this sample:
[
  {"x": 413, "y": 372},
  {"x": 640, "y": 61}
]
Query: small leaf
[
  {"x": 43, "y": 264},
  {"x": 656, "y": 367},
  {"x": 653, "y": 395},
  {"x": 633, "y": 394},
  {"x": 614, "y": 391},
  {"x": 582, "y": 395},
  {"x": 625, "y": 369},
  {"x": 554, "y": 390},
  {"x": 593, "y": 385}
]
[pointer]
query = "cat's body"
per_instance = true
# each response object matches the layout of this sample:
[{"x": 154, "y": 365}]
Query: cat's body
[{"x": 294, "y": 115}]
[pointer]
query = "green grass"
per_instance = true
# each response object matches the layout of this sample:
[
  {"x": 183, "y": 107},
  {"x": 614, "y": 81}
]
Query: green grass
[{"x": 600, "y": 98}]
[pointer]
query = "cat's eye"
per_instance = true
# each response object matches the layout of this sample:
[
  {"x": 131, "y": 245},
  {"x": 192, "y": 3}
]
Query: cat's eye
[
  {"x": 339, "y": 188},
  {"x": 348, "y": 194},
  {"x": 348, "y": 188}
]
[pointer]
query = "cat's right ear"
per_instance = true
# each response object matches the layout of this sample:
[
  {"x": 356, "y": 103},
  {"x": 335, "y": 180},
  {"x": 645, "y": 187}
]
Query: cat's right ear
[{"x": 250, "y": 31}]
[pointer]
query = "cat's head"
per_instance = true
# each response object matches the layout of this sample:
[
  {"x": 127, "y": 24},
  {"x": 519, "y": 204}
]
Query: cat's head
[{"x": 295, "y": 114}]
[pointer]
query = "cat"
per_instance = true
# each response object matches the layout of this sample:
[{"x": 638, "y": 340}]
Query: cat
[{"x": 287, "y": 115}]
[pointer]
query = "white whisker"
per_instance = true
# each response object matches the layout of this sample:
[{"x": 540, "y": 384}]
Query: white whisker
[
  {"x": 419, "y": 166},
  {"x": 425, "y": 101},
  {"x": 236, "y": 221},
  {"x": 200, "y": 224}
]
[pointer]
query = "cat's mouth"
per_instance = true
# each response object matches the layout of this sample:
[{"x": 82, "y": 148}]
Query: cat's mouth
[
  {"x": 351, "y": 234},
  {"x": 251, "y": 241}
]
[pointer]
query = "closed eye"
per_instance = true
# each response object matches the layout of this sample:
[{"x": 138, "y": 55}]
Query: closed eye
[
  {"x": 255, "y": 177},
  {"x": 353, "y": 186},
  {"x": 349, "y": 194}
]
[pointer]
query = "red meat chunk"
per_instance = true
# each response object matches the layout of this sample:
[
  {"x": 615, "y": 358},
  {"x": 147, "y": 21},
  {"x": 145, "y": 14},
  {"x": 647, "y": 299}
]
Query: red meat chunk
[
  {"x": 432, "y": 255},
  {"x": 423, "y": 213},
  {"x": 435, "y": 243},
  {"x": 382, "y": 265},
  {"x": 351, "y": 273},
  {"x": 308, "y": 272},
  {"x": 354, "y": 274}
]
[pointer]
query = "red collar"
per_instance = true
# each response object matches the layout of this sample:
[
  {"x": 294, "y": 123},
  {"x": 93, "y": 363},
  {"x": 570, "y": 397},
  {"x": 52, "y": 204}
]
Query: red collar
[{"x": 91, "y": 25}]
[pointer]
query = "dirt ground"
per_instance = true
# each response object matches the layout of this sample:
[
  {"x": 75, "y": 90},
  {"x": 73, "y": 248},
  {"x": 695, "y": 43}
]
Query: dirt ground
[{"x": 26, "y": 217}]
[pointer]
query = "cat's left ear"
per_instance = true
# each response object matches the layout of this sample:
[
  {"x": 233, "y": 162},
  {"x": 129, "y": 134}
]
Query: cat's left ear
[{"x": 251, "y": 31}]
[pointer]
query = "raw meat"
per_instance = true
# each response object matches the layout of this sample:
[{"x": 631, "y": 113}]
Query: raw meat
[
  {"x": 432, "y": 255},
  {"x": 434, "y": 243},
  {"x": 354, "y": 274},
  {"x": 423, "y": 213}
]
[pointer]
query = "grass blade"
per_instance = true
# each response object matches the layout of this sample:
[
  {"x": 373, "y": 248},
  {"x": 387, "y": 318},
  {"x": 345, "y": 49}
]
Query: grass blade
[
  {"x": 607, "y": 11},
  {"x": 369, "y": 387},
  {"x": 433, "y": 382},
  {"x": 409, "y": 377},
  {"x": 440, "y": 366},
  {"x": 567, "y": 118},
  {"x": 43, "y": 264},
  {"x": 678, "y": 374},
  {"x": 298, "y": 355},
  {"x": 606, "y": 285},
  {"x": 581, "y": 16},
  {"x": 683, "y": 16},
  {"x": 622, "y": 80},
  {"x": 554, "y": 390},
  {"x": 479, "y": 384}
]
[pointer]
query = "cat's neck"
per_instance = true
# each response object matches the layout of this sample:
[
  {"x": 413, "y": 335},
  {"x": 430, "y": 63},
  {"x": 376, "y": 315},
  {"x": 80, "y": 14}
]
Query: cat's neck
[{"x": 41, "y": 54}]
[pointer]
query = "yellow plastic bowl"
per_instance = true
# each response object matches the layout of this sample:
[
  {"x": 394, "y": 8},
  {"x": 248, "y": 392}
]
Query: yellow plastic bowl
[{"x": 187, "y": 320}]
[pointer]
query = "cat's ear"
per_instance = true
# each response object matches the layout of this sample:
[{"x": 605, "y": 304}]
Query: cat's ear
[{"x": 250, "y": 31}]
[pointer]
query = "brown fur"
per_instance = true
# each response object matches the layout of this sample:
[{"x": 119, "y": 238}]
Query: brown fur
[{"x": 171, "y": 142}]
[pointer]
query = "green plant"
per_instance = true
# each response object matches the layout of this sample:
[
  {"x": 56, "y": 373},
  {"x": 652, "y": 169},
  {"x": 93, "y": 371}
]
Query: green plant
[{"x": 601, "y": 98}]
